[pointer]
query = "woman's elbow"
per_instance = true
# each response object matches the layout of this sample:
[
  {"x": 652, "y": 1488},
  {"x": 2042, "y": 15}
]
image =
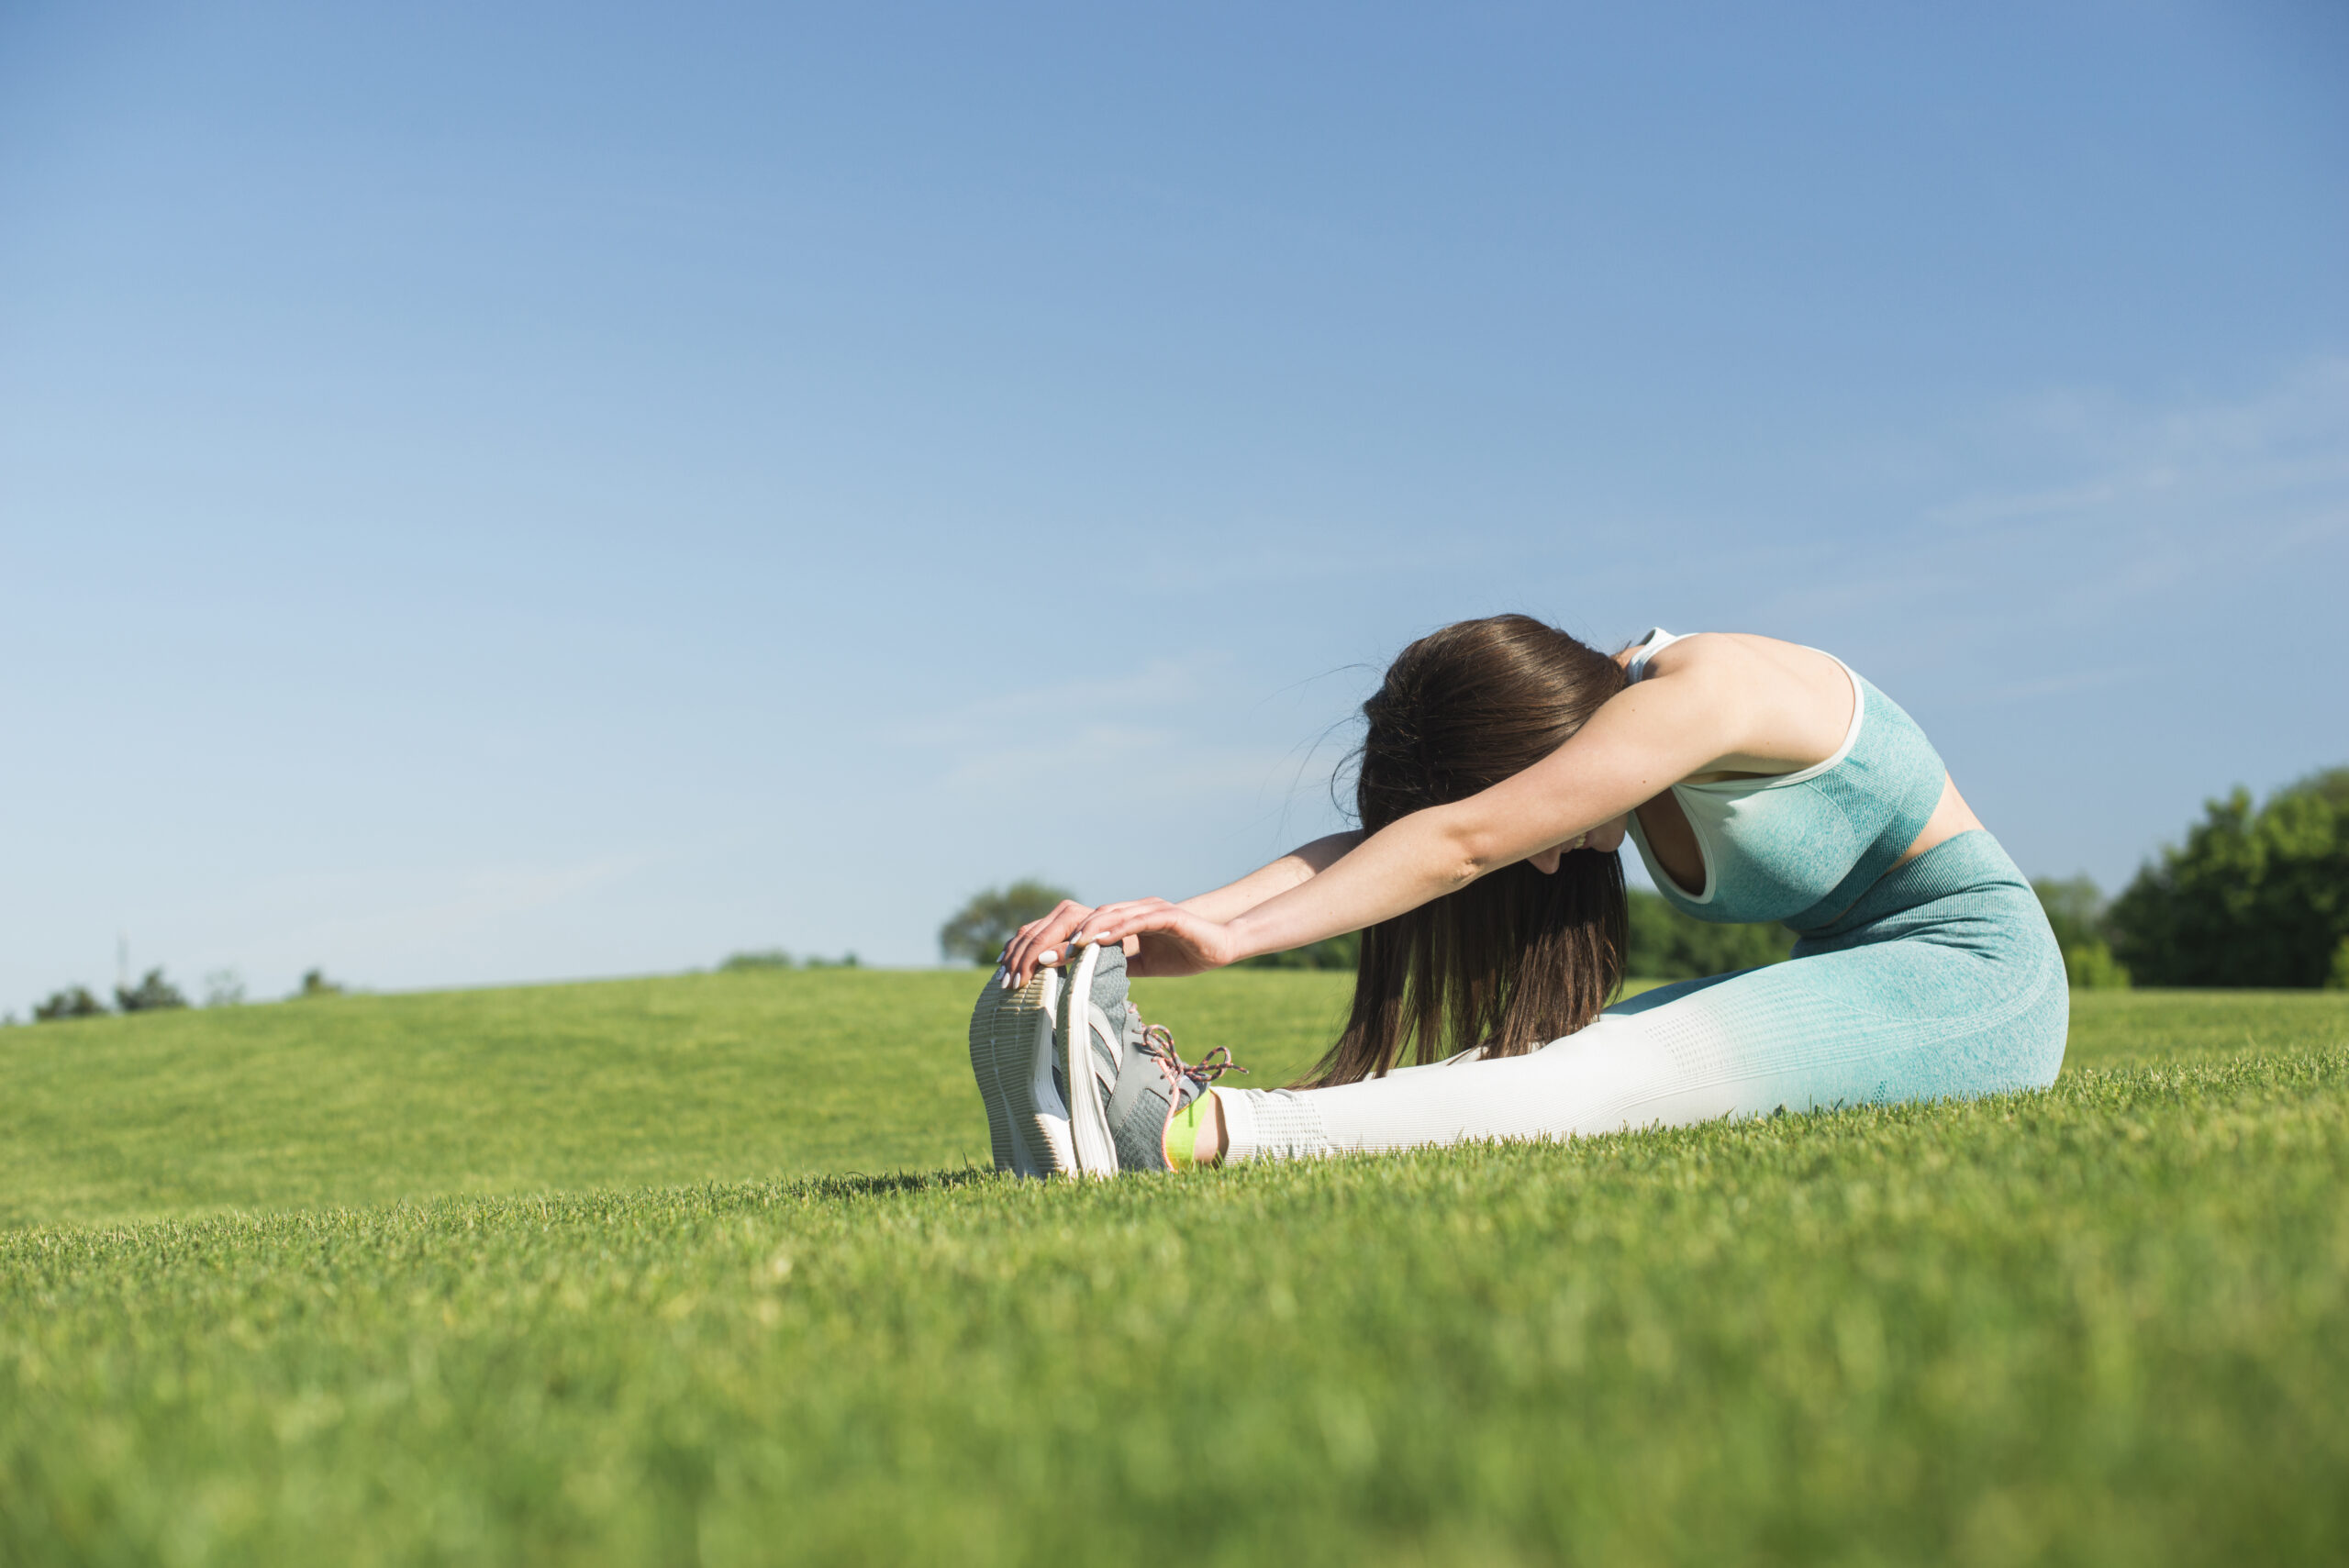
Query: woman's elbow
[{"x": 1471, "y": 850}]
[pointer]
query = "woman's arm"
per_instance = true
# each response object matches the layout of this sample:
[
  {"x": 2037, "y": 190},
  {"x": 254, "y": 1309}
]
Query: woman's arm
[
  {"x": 1681, "y": 721},
  {"x": 1044, "y": 941},
  {"x": 1294, "y": 869}
]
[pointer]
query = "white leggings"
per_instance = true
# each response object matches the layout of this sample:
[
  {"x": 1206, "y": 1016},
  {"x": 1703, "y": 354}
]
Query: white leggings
[
  {"x": 1607, "y": 1077},
  {"x": 1957, "y": 994}
]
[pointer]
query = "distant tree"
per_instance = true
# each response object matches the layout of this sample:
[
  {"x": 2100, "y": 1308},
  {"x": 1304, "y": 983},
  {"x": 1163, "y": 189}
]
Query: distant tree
[
  {"x": 2254, "y": 897},
  {"x": 2077, "y": 911},
  {"x": 980, "y": 929},
  {"x": 2075, "y": 907},
  {"x": 223, "y": 988},
  {"x": 315, "y": 983},
  {"x": 1669, "y": 945},
  {"x": 73, "y": 1002},
  {"x": 2092, "y": 967},
  {"x": 153, "y": 994},
  {"x": 1331, "y": 952},
  {"x": 775, "y": 958}
]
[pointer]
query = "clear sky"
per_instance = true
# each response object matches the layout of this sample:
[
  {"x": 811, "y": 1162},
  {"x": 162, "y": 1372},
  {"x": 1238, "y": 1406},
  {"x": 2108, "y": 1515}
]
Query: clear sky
[{"x": 507, "y": 492}]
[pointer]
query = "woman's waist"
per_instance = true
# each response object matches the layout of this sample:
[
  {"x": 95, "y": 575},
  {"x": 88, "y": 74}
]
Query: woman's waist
[
  {"x": 1805, "y": 881},
  {"x": 1971, "y": 866},
  {"x": 1803, "y": 848}
]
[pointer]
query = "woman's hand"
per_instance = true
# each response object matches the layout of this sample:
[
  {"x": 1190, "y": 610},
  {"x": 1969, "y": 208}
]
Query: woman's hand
[
  {"x": 1041, "y": 943},
  {"x": 1162, "y": 939},
  {"x": 1159, "y": 938}
]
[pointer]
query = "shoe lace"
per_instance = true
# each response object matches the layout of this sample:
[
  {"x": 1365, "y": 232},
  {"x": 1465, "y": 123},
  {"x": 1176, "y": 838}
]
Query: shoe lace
[{"x": 1158, "y": 1040}]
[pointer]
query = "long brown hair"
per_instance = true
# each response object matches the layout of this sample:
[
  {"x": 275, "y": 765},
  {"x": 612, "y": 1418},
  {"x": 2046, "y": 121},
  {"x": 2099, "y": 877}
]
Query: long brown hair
[{"x": 1515, "y": 959}]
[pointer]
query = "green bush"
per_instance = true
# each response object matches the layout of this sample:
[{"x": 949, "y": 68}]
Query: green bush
[
  {"x": 2078, "y": 914},
  {"x": 2091, "y": 967},
  {"x": 1669, "y": 945},
  {"x": 765, "y": 959},
  {"x": 153, "y": 994},
  {"x": 73, "y": 1002},
  {"x": 2255, "y": 897}
]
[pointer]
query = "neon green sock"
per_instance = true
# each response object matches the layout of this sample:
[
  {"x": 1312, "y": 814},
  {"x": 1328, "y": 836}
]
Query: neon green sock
[{"x": 1183, "y": 1132}]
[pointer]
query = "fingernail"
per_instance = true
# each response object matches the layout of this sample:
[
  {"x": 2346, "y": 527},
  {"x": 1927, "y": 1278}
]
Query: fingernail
[
  {"x": 1050, "y": 955},
  {"x": 1006, "y": 982}
]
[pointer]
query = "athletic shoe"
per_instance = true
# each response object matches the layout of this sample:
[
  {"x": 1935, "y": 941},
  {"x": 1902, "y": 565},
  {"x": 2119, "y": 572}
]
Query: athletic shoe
[
  {"x": 1136, "y": 1085},
  {"x": 1012, "y": 1056}
]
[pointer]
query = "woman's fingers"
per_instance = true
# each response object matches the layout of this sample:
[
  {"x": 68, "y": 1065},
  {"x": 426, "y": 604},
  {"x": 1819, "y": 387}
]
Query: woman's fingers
[
  {"x": 1180, "y": 942},
  {"x": 1044, "y": 939},
  {"x": 1042, "y": 942},
  {"x": 1179, "y": 937}
]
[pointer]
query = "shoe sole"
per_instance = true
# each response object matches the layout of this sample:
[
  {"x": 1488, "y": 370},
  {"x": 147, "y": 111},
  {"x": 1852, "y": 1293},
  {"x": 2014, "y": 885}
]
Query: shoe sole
[
  {"x": 1011, "y": 1057},
  {"x": 1093, "y": 1147}
]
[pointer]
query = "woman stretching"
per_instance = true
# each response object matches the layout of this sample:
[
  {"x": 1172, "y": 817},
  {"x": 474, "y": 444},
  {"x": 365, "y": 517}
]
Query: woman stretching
[{"x": 1504, "y": 765}]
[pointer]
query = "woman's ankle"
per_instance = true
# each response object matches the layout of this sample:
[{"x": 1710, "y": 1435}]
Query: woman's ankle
[
  {"x": 1212, "y": 1141},
  {"x": 1195, "y": 1135}
]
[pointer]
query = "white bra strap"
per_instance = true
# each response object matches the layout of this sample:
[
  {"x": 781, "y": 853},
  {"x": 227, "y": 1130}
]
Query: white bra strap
[{"x": 1654, "y": 642}]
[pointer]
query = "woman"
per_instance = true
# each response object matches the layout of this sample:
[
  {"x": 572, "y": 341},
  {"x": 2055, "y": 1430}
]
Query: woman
[{"x": 1504, "y": 765}]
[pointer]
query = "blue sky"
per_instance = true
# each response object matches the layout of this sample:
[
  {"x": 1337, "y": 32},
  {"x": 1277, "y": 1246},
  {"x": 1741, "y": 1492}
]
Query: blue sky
[{"x": 504, "y": 493}]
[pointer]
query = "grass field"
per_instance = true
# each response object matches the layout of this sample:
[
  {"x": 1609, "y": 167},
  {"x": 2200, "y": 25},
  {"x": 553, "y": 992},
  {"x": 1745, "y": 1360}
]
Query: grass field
[{"x": 701, "y": 1270}]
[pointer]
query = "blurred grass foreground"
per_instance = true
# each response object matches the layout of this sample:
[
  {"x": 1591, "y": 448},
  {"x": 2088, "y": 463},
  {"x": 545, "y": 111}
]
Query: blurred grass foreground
[{"x": 709, "y": 1270}]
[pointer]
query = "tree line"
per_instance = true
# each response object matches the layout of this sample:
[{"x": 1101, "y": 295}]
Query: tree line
[
  {"x": 2257, "y": 895},
  {"x": 155, "y": 993},
  {"x": 777, "y": 958},
  {"x": 2254, "y": 897}
]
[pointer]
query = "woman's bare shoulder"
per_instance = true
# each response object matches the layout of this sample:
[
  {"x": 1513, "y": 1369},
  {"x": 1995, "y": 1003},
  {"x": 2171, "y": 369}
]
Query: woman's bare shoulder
[{"x": 1796, "y": 701}]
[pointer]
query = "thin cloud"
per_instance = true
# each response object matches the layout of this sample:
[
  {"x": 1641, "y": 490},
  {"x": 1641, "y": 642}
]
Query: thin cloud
[{"x": 2287, "y": 448}]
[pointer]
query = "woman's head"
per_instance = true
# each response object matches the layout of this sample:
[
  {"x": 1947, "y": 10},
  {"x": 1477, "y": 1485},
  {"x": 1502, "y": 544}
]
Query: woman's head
[{"x": 1517, "y": 958}]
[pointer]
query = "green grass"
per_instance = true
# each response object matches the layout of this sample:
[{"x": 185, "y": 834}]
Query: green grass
[
  {"x": 2105, "y": 1324},
  {"x": 356, "y": 1100}
]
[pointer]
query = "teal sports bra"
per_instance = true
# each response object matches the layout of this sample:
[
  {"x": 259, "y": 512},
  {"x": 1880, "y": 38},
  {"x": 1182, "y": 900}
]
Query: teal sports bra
[{"x": 1801, "y": 847}]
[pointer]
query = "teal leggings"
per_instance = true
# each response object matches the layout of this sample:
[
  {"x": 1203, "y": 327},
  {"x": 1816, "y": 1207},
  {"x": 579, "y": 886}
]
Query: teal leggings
[{"x": 1942, "y": 983}]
